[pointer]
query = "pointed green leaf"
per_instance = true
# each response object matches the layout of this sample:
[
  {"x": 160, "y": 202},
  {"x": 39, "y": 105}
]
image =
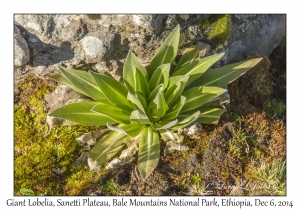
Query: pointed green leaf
[
  {"x": 138, "y": 116},
  {"x": 141, "y": 84},
  {"x": 113, "y": 90},
  {"x": 131, "y": 65},
  {"x": 160, "y": 76},
  {"x": 135, "y": 101},
  {"x": 118, "y": 115},
  {"x": 135, "y": 75},
  {"x": 81, "y": 82},
  {"x": 221, "y": 77},
  {"x": 165, "y": 124},
  {"x": 149, "y": 152},
  {"x": 217, "y": 102},
  {"x": 80, "y": 112},
  {"x": 197, "y": 68},
  {"x": 132, "y": 130},
  {"x": 60, "y": 77},
  {"x": 158, "y": 105},
  {"x": 184, "y": 120},
  {"x": 141, "y": 98},
  {"x": 197, "y": 96},
  {"x": 27, "y": 192},
  {"x": 174, "y": 110},
  {"x": 174, "y": 80},
  {"x": 210, "y": 115},
  {"x": 154, "y": 92},
  {"x": 188, "y": 56},
  {"x": 162, "y": 106},
  {"x": 174, "y": 91},
  {"x": 107, "y": 147},
  {"x": 166, "y": 53}
]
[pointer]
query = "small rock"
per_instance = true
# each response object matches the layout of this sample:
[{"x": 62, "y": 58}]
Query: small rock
[
  {"x": 93, "y": 46},
  {"x": 143, "y": 20},
  {"x": 82, "y": 158},
  {"x": 86, "y": 141},
  {"x": 101, "y": 66},
  {"x": 171, "y": 146},
  {"x": 94, "y": 166},
  {"x": 21, "y": 50},
  {"x": 196, "y": 127},
  {"x": 60, "y": 96},
  {"x": 184, "y": 17},
  {"x": 158, "y": 23}
]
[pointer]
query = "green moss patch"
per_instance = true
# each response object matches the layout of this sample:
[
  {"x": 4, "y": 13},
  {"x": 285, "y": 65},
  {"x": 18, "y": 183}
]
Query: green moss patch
[
  {"x": 46, "y": 165},
  {"x": 216, "y": 28}
]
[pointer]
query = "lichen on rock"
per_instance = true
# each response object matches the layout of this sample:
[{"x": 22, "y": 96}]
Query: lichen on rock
[{"x": 93, "y": 46}]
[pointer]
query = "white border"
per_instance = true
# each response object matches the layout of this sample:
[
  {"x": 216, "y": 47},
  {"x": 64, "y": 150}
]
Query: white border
[{"x": 153, "y": 6}]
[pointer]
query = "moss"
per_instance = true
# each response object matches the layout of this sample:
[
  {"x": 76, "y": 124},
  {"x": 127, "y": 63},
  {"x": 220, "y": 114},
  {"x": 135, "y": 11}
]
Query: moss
[
  {"x": 235, "y": 147},
  {"x": 47, "y": 165},
  {"x": 216, "y": 29},
  {"x": 80, "y": 181},
  {"x": 183, "y": 39},
  {"x": 110, "y": 187},
  {"x": 196, "y": 178},
  {"x": 94, "y": 16},
  {"x": 275, "y": 108},
  {"x": 186, "y": 39}
]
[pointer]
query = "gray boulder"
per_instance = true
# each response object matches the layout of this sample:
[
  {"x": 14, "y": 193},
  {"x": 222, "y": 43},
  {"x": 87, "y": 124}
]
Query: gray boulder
[
  {"x": 21, "y": 50},
  {"x": 89, "y": 41},
  {"x": 254, "y": 35}
]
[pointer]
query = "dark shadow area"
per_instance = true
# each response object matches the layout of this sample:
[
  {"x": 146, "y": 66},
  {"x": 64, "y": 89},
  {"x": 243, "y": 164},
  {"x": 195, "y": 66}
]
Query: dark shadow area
[
  {"x": 117, "y": 51},
  {"x": 43, "y": 54}
]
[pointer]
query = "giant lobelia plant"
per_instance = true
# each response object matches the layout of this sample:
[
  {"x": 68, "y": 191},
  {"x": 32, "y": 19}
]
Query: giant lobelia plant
[{"x": 152, "y": 104}]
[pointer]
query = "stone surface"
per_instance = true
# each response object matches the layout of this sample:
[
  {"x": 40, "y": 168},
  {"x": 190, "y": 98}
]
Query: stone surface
[
  {"x": 60, "y": 96},
  {"x": 83, "y": 41},
  {"x": 254, "y": 35},
  {"x": 194, "y": 128},
  {"x": 93, "y": 46},
  {"x": 21, "y": 50}
]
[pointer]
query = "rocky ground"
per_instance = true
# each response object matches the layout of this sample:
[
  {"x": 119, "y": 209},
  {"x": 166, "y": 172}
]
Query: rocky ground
[{"x": 244, "y": 154}]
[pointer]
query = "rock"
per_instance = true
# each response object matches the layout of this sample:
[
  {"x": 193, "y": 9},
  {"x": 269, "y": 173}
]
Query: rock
[
  {"x": 194, "y": 128},
  {"x": 21, "y": 50},
  {"x": 88, "y": 140},
  {"x": 77, "y": 40},
  {"x": 171, "y": 146},
  {"x": 94, "y": 166},
  {"x": 254, "y": 34},
  {"x": 143, "y": 20},
  {"x": 93, "y": 46},
  {"x": 82, "y": 159},
  {"x": 60, "y": 96}
]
